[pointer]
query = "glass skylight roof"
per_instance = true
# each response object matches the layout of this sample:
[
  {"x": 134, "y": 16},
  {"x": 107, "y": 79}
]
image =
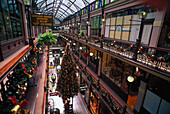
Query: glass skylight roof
[{"x": 61, "y": 8}]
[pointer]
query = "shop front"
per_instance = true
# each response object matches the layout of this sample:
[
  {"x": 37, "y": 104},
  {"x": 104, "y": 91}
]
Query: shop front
[
  {"x": 94, "y": 102},
  {"x": 84, "y": 89}
]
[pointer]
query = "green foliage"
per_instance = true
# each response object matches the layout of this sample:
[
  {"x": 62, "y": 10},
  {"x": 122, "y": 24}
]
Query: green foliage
[
  {"x": 47, "y": 39},
  {"x": 16, "y": 84},
  {"x": 65, "y": 30},
  {"x": 50, "y": 31},
  {"x": 81, "y": 33},
  {"x": 67, "y": 83}
]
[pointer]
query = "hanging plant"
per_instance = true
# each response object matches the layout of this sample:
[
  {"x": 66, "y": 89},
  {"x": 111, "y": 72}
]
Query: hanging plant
[{"x": 82, "y": 33}]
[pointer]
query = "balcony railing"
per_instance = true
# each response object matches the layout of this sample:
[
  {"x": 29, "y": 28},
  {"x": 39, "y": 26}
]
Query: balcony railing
[
  {"x": 92, "y": 66},
  {"x": 84, "y": 59},
  {"x": 77, "y": 53},
  {"x": 154, "y": 57}
]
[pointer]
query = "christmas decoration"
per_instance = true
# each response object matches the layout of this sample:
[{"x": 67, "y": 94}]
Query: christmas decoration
[
  {"x": 67, "y": 81},
  {"x": 16, "y": 84}
]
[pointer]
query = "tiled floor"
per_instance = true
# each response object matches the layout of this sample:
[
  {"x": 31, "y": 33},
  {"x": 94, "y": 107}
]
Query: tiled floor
[{"x": 78, "y": 106}]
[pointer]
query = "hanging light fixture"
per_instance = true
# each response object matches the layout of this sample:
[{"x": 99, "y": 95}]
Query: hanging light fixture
[
  {"x": 74, "y": 44},
  {"x": 142, "y": 14},
  {"x": 130, "y": 78},
  {"x": 77, "y": 74},
  {"x": 80, "y": 48},
  {"x": 91, "y": 54}
]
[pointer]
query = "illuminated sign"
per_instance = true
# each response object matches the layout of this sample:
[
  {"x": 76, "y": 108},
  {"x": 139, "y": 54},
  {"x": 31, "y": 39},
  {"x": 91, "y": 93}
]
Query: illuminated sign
[{"x": 42, "y": 20}]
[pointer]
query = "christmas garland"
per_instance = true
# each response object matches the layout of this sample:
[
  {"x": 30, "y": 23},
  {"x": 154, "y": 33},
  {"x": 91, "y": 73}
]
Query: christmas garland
[{"x": 17, "y": 84}]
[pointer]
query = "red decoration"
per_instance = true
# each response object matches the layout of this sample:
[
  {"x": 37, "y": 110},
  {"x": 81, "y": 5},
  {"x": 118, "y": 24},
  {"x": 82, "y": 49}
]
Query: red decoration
[
  {"x": 14, "y": 100},
  {"x": 23, "y": 103},
  {"x": 53, "y": 94},
  {"x": 131, "y": 46},
  {"x": 86, "y": 54},
  {"x": 152, "y": 59}
]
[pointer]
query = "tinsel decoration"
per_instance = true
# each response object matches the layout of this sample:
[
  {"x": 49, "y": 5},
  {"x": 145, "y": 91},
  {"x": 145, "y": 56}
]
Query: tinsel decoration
[{"x": 67, "y": 82}]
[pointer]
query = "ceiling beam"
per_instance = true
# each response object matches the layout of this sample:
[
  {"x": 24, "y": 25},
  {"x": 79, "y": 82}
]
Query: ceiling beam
[{"x": 68, "y": 8}]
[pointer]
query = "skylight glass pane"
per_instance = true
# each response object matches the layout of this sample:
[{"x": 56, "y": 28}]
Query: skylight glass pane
[
  {"x": 43, "y": 5},
  {"x": 64, "y": 7},
  {"x": 69, "y": 11},
  {"x": 66, "y": 2},
  {"x": 64, "y": 11},
  {"x": 39, "y": 1},
  {"x": 73, "y": 8},
  {"x": 79, "y": 3},
  {"x": 49, "y": 1},
  {"x": 50, "y": 6}
]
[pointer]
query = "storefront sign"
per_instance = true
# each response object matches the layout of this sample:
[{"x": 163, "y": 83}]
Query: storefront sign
[
  {"x": 107, "y": 68},
  {"x": 42, "y": 20},
  {"x": 53, "y": 94},
  {"x": 83, "y": 88}
]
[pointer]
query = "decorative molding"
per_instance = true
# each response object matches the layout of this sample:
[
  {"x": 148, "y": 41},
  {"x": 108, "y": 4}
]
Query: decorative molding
[{"x": 157, "y": 23}]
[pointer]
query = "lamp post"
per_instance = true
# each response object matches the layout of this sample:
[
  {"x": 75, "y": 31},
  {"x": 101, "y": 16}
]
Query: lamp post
[
  {"x": 130, "y": 80},
  {"x": 142, "y": 16},
  {"x": 91, "y": 54},
  {"x": 28, "y": 4}
]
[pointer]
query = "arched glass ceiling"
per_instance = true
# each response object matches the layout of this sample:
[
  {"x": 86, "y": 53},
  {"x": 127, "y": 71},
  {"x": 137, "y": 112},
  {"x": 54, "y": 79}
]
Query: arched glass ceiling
[{"x": 61, "y": 8}]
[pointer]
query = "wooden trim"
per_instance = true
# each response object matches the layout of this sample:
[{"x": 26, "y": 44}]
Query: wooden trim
[
  {"x": 96, "y": 78},
  {"x": 125, "y": 6},
  {"x": 11, "y": 65},
  {"x": 5, "y": 70},
  {"x": 45, "y": 85},
  {"x": 146, "y": 68}
]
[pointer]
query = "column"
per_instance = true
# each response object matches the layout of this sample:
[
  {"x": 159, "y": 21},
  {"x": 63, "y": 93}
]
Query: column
[
  {"x": 88, "y": 57},
  {"x": 100, "y": 65},
  {"x": 157, "y": 26},
  {"x": 41, "y": 29},
  {"x": 33, "y": 32},
  {"x": 103, "y": 25},
  {"x": 37, "y": 30},
  {"x": 25, "y": 23},
  {"x": 141, "y": 95}
]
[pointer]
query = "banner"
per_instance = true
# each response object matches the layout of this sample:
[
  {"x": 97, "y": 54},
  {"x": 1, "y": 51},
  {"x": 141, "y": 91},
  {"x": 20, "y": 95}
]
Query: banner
[{"x": 42, "y": 20}]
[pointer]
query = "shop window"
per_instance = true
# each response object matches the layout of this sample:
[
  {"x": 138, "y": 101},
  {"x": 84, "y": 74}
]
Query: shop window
[
  {"x": 159, "y": 87},
  {"x": 135, "y": 28},
  {"x": 12, "y": 18},
  {"x": 2, "y": 29},
  {"x": 94, "y": 102},
  {"x": 107, "y": 26},
  {"x": 165, "y": 34},
  {"x": 84, "y": 26},
  {"x": 146, "y": 34},
  {"x": 96, "y": 24}
]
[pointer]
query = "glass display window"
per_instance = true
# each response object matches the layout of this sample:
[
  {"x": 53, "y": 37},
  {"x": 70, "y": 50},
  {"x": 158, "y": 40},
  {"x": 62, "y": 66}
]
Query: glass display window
[{"x": 94, "y": 102}]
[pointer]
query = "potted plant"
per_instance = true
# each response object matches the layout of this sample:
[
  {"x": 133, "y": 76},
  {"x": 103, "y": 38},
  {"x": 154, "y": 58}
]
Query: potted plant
[
  {"x": 47, "y": 39},
  {"x": 82, "y": 34}
]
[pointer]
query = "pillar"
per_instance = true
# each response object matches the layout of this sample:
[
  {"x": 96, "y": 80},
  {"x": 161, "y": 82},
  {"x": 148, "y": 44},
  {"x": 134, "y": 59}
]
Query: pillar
[
  {"x": 37, "y": 30},
  {"x": 41, "y": 29},
  {"x": 33, "y": 32},
  {"x": 25, "y": 23},
  {"x": 157, "y": 26},
  {"x": 103, "y": 25},
  {"x": 100, "y": 65},
  {"x": 141, "y": 95},
  {"x": 88, "y": 57}
]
